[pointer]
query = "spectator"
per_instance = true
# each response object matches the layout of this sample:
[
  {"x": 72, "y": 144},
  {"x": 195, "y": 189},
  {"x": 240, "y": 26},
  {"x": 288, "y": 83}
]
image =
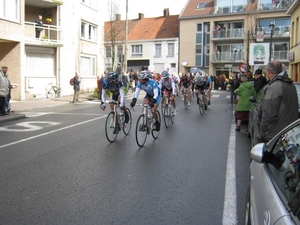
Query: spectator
[
  {"x": 234, "y": 84},
  {"x": 280, "y": 103},
  {"x": 4, "y": 89},
  {"x": 38, "y": 26},
  {"x": 76, "y": 88},
  {"x": 259, "y": 80},
  {"x": 244, "y": 91}
]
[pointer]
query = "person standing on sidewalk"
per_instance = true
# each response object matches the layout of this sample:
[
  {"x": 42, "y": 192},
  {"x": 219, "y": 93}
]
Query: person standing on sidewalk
[
  {"x": 279, "y": 107},
  {"x": 76, "y": 88},
  {"x": 4, "y": 89}
]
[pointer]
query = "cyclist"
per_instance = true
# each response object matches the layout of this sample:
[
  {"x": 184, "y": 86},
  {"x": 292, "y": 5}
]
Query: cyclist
[
  {"x": 186, "y": 82},
  {"x": 209, "y": 87},
  {"x": 115, "y": 89},
  {"x": 167, "y": 86},
  {"x": 200, "y": 86},
  {"x": 152, "y": 96}
]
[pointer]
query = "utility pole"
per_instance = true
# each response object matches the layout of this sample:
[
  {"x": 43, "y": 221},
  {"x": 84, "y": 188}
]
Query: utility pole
[{"x": 126, "y": 38}]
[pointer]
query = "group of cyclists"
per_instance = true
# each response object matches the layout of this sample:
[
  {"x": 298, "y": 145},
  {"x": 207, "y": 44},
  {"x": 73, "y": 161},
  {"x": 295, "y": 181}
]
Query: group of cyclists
[{"x": 156, "y": 87}]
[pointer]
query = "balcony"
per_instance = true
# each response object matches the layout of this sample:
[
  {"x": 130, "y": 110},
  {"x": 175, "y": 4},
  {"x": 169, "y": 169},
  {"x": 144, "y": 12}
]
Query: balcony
[
  {"x": 227, "y": 57},
  {"x": 51, "y": 36},
  {"x": 44, "y": 3},
  {"x": 274, "y": 6},
  {"x": 230, "y": 9},
  {"x": 229, "y": 34}
]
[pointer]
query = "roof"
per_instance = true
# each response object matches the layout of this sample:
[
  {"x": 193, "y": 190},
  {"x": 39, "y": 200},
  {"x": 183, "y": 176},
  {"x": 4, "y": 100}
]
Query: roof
[{"x": 144, "y": 28}]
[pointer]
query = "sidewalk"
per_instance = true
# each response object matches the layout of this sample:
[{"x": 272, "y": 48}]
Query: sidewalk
[{"x": 18, "y": 107}]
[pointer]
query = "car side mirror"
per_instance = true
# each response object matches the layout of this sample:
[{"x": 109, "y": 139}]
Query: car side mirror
[{"x": 252, "y": 99}]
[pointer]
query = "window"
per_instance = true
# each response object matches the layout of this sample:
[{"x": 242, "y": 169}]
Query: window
[
  {"x": 199, "y": 27},
  {"x": 157, "y": 50},
  {"x": 88, "y": 31},
  {"x": 9, "y": 9},
  {"x": 87, "y": 66},
  {"x": 198, "y": 49},
  {"x": 91, "y": 3},
  {"x": 137, "y": 50},
  {"x": 201, "y": 5},
  {"x": 108, "y": 51},
  {"x": 171, "y": 49}
]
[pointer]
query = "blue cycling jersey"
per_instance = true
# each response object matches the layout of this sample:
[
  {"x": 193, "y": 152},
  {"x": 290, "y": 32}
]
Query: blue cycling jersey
[
  {"x": 148, "y": 87},
  {"x": 113, "y": 88}
]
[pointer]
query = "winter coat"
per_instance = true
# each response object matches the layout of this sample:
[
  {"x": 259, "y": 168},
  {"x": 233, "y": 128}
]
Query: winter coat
[
  {"x": 259, "y": 83},
  {"x": 279, "y": 106},
  {"x": 4, "y": 85},
  {"x": 244, "y": 91}
]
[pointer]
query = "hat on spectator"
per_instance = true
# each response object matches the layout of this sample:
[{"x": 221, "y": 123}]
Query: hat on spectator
[
  {"x": 4, "y": 67},
  {"x": 258, "y": 71},
  {"x": 243, "y": 79}
]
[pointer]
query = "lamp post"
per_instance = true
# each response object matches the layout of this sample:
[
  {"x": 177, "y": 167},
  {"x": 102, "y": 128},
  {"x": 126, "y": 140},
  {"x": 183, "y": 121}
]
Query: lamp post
[{"x": 272, "y": 25}]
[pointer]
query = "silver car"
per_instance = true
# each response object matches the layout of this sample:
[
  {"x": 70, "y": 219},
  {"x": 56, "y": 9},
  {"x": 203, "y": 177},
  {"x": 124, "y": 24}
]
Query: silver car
[{"x": 274, "y": 185}]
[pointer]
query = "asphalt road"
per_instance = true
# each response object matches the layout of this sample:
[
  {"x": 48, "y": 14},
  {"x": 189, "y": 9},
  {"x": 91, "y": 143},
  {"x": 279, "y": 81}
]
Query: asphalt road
[{"x": 56, "y": 167}]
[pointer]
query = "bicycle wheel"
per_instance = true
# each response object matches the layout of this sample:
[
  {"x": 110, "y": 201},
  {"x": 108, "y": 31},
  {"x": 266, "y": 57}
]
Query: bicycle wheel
[
  {"x": 167, "y": 115},
  {"x": 172, "y": 116},
  {"x": 154, "y": 132},
  {"x": 141, "y": 131},
  {"x": 185, "y": 102},
  {"x": 201, "y": 106},
  {"x": 50, "y": 94},
  {"x": 58, "y": 93},
  {"x": 110, "y": 131},
  {"x": 127, "y": 126}
]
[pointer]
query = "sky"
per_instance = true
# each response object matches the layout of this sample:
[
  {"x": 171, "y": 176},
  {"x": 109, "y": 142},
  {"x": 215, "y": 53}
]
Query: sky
[{"x": 150, "y": 8}]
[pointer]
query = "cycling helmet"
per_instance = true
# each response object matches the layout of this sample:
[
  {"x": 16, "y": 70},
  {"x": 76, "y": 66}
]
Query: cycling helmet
[
  {"x": 144, "y": 75},
  {"x": 165, "y": 74},
  {"x": 198, "y": 78},
  {"x": 112, "y": 76}
]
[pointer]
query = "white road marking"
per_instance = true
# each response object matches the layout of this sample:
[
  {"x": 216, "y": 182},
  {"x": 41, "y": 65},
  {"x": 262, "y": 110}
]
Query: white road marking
[
  {"x": 36, "y": 114},
  {"x": 28, "y": 126},
  {"x": 215, "y": 96},
  {"x": 230, "y": 208},
  {"x": 50, "y": 132}
]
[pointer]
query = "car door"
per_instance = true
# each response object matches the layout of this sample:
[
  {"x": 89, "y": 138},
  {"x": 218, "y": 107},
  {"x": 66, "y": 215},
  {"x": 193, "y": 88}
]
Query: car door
[{"x": 275, "y": 179}]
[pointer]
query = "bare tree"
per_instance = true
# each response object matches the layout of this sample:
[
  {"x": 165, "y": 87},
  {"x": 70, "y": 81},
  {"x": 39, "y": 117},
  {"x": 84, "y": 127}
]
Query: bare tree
[
  {"x": 250, "y": 25},
  {"x": 114, "y": 17}
]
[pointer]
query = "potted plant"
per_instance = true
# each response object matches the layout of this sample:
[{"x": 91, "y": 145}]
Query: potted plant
[{"x": 44, "y": 38}]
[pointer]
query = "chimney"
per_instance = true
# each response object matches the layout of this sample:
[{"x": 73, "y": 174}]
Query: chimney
[
  {"x": 141, "y": 16},
  {"x": 166, "y": 12},
  {"x": 118, "y": 17}
]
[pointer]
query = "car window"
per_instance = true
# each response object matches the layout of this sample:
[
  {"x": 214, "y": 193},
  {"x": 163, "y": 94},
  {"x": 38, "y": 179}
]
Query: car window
[{"x": 285, "y": 167}]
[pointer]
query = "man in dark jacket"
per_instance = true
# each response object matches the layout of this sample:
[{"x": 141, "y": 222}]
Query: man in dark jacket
[
  {"x": 280, "y": 103},
  {"x": 259, "y": 81}
]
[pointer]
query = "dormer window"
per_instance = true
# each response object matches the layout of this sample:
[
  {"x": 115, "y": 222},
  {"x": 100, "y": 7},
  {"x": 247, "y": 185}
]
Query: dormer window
[{"x": 201, "y": 5}]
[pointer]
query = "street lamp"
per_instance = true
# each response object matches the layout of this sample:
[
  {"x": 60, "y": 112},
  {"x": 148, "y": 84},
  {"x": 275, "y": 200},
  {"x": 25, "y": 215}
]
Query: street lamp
[{"x": 272, "y": 25}]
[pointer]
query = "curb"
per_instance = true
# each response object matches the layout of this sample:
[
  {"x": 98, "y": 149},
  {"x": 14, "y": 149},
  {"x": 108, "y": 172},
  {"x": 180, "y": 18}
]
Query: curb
[{"x": 12, "y": 117}]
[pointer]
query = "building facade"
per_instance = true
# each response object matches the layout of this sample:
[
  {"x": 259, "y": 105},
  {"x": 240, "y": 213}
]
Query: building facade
[
  {"x": 152, "y": 43},
  {"x": 217, "y": 35},
  {"x": 70, "y": 40}
]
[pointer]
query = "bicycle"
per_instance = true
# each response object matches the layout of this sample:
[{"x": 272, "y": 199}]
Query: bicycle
[
  {"x": 167, "y": 111},
  {"x": 145, "y": 125},
  {"x": 115, "y": 121},
  {"x": 185, "y": 98},
  {"x": 53, "y": 91}
]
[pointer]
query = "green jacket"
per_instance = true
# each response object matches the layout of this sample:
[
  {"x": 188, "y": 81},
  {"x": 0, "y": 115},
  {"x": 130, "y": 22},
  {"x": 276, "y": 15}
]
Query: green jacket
[{"x": 244, "y": 91}]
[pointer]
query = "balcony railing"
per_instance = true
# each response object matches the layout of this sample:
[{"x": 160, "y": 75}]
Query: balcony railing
[
  {"x": 49, "y": 37},
  {"x": 228, "y": 33},
  {"x": 278, "y": 31},
  {"x": 280, "y": 55},
  {"x": 281, "y": 5},
  {"x": 227, "y": 57}
]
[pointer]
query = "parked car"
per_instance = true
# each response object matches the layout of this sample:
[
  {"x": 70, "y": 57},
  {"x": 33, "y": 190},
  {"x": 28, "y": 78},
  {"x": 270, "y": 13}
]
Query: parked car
[
  {"x": 253, "y": 124},
  {"x": 273, "y": 196}
]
